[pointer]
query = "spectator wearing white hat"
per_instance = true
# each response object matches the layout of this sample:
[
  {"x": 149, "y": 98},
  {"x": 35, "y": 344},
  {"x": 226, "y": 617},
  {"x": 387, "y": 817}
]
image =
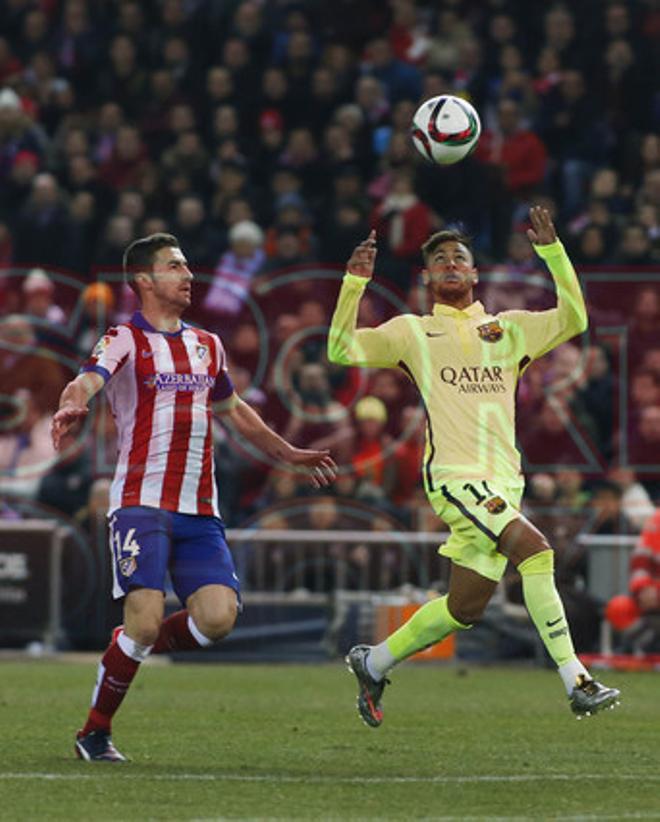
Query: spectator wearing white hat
[
  {"x": 39, "y": 293},
  {"x": 18, "y": 133},
  {"x": 236, "y": 270},
  {"x": 39, "y": 306}
]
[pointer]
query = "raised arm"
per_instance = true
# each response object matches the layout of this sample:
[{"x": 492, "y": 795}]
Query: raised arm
[
  {"x": 572, "y": 311},
  {"x": 544, "y": 330},
  {"x": 318, "y": 466},
  {"x": 74, "y": 407},
  {"x": 367, "y": 346}
]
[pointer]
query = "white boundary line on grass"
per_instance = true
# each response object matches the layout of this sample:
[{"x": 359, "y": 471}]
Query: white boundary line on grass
[{"x": 120, "y": 771}]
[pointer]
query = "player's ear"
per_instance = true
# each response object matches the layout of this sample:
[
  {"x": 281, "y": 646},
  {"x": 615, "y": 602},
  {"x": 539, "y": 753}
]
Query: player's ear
[
  {"x": 142, "y": 277},
  {"x": 425, "y": 277},
  {"x": 475, "y": 276}
]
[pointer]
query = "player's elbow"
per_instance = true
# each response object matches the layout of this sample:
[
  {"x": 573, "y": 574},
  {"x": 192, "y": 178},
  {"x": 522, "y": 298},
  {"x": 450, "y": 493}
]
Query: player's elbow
[
  {"x": 340, "y": 345},
  {"x": 238, "y": 414},
  {"x": 574, "y": 323},
  {"x": 338, "y": 354},
  {"x": 578, "y": 325},
  {"x": 338, "y": 358},
  {"x": 582, "y": 322},
  {"x": 225, "y": 407}
]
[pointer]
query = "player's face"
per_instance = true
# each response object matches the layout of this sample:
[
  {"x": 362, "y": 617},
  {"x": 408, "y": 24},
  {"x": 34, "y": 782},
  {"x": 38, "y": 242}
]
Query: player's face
[
  {"x": 450, "y": 271},
  {"x": 171, "y": 278}
]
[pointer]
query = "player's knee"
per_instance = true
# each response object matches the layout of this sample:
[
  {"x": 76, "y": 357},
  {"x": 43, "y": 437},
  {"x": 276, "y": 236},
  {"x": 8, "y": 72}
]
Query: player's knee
[
  {"x": 521, "y": 540},
  {"x": 541, "y": 544},
  {"x": 145, "y": 631},
  {"x": 466, "y": 612},
  {"x": 218, "y": 622},
  {"x": 467, "y": 616}
]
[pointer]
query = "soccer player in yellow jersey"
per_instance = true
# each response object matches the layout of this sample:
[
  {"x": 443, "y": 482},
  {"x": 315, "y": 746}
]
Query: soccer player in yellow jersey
[{"x": 466, "y": 364}]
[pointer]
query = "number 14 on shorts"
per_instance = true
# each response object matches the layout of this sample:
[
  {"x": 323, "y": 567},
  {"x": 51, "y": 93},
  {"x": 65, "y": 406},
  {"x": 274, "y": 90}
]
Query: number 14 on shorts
[{"x": 126, "y": 551}]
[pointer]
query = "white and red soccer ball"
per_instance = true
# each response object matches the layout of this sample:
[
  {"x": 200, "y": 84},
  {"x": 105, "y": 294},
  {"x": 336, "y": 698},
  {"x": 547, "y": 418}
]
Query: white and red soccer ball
[{"x": 445, "y": 129}]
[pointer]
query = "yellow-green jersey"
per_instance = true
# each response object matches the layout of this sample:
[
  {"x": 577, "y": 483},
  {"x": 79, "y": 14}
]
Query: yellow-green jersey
[{"x": 466, "y": 365}]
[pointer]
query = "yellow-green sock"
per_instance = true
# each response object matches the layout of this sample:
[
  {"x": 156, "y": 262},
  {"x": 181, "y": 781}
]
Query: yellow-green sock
[
  {"x": 545, "y": 607},
  {"x": 430, "y": 624}
]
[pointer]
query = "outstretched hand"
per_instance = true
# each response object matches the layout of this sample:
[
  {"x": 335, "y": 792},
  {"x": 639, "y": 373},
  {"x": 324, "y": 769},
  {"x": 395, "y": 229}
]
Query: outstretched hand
[
  {"x": 66, "y": 424},
  {"x": 320, "y": 467},
  {"x": 363, "y": 257},
  {"x": 542, "y": 231}
]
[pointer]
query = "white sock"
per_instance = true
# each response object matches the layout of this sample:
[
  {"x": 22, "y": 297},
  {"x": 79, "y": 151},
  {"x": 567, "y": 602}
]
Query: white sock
[
  {"x": 132, "y": 648},
  {"x": 379, "y": 661},
  {"x": 569, "y": 672},
  {"x": 204, "y": 641}
]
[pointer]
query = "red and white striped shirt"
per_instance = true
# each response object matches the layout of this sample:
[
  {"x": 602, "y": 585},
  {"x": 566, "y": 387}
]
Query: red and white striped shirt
[{"x": 160, "y": 387}]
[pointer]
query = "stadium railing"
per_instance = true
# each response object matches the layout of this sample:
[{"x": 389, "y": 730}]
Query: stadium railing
[
  {"x": 284, "y": 560},
  {"x": 608, "y": 572},
  {"x": 276, "y": 566},
  {"x": 608, "y": 563},
  {"x": 321, "y": 561}
]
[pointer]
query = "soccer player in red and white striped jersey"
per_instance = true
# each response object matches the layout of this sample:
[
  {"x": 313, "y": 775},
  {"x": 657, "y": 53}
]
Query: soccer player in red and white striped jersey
[{"x": 164, "y": 379}]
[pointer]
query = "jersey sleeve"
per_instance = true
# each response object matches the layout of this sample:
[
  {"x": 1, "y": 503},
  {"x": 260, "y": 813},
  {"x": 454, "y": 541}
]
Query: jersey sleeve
[
  {"x": 380, "y": 347},
  {"x": 110, "y": 352},
  {"x": 544, "y": 330},
  {"x": 223, "y": 386}
]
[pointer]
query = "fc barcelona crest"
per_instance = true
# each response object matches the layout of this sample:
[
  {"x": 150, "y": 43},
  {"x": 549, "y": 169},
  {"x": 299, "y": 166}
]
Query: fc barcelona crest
[
  {"x": 495, "y": 505},
  {"x": 491, "y": 332}
]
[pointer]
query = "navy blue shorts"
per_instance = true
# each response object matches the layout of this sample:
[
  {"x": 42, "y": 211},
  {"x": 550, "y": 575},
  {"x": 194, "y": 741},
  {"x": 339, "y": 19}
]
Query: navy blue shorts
[{"x": 146, "y": 543}]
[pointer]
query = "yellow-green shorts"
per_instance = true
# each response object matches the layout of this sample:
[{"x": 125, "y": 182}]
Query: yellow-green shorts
[{"x": 477, "y": 511}]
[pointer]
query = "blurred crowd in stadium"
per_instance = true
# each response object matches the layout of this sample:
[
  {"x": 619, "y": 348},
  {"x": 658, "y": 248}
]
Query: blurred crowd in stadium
[{"x": 269, "y": 137}]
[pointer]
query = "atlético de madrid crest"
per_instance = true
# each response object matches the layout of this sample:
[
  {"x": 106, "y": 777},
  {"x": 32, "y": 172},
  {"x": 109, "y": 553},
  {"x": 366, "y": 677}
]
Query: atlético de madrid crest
[
  {"x": 127, "y": 566},
  {"x": 202, "y": 352},
  {"x": 491, "y": 332}
]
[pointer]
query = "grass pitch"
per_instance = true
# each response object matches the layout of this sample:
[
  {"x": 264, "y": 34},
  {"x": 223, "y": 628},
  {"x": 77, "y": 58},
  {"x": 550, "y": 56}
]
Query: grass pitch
[{"x": 284, "y": 742}]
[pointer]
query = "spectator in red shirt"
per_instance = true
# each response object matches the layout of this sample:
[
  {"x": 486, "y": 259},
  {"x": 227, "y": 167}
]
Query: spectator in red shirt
[
  {"x": 402, "y": 217},
  {"x": 519, "y": 153},
  {"x": 402, "y": 222},
  {"x": 645, "y": 567},
  {"x": 643, "y": 634}
]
